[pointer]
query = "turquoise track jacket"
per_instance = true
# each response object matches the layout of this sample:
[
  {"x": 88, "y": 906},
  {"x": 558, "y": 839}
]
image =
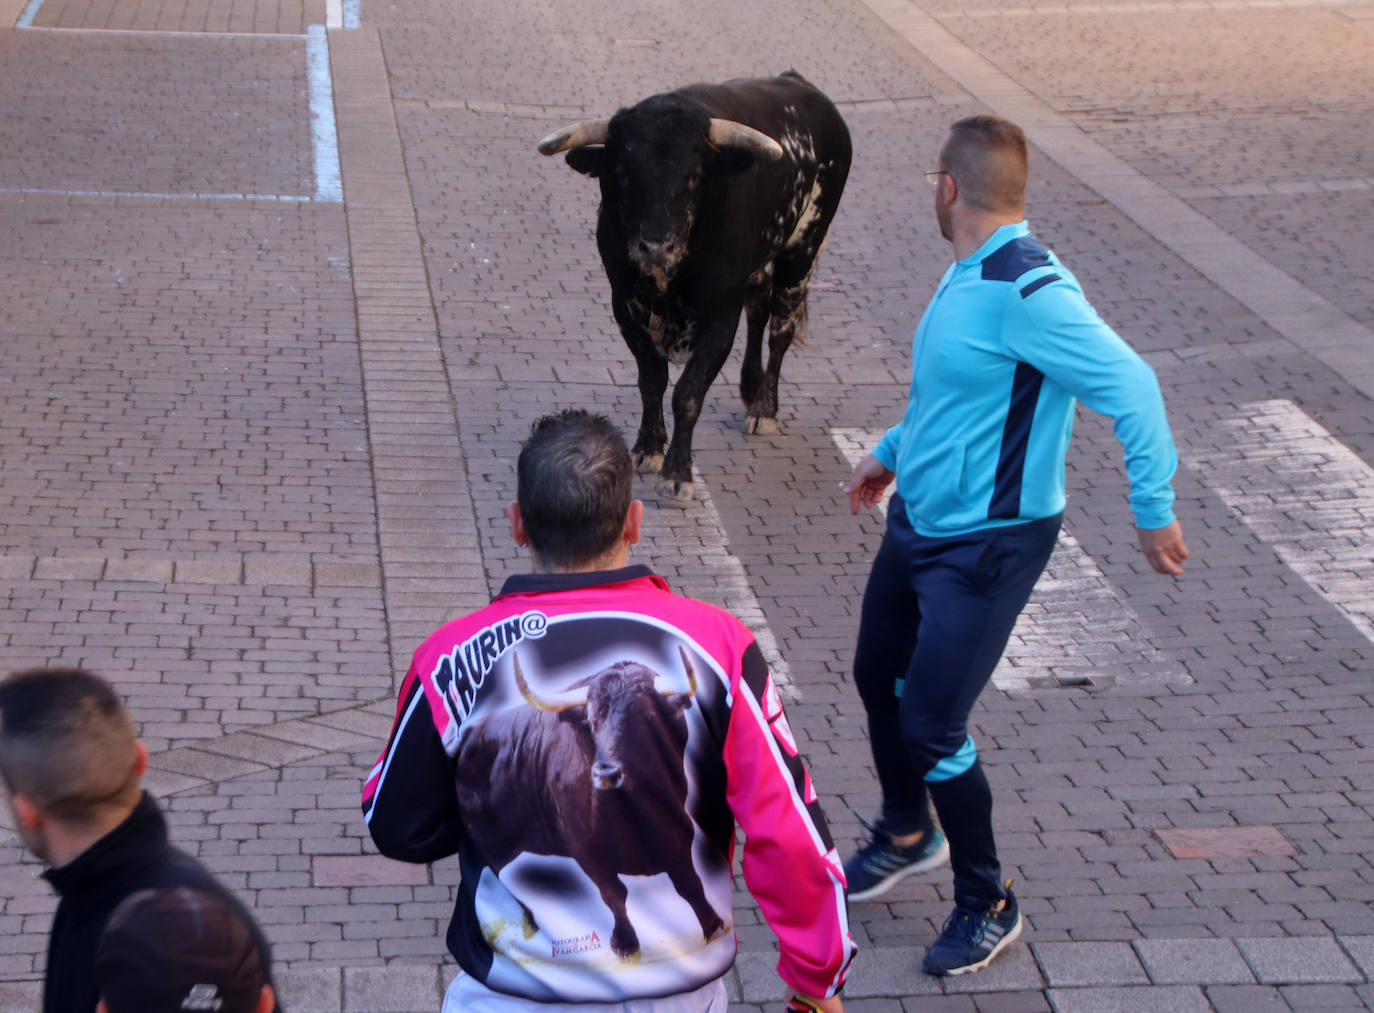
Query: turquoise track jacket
[{"x": 1002, "y": 353}]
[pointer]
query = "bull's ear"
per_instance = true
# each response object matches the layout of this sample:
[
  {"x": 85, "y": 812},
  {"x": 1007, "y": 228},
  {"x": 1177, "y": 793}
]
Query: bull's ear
[
  {"x": 591, "y": 161},
  {"x": 573, "y": 715},
  {"x": 727, "y": 161}
]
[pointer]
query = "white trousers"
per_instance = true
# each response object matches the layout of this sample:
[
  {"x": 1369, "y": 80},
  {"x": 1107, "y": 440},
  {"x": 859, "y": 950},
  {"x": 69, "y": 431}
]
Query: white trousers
[{"x": 468, "y": 995}]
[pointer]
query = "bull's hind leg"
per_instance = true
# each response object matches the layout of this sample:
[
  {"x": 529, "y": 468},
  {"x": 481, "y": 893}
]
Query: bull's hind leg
[
  {"x": 756, "y": 318},
  {"x": 788, "y": 309},
  {"x": 792, "y": 270}
]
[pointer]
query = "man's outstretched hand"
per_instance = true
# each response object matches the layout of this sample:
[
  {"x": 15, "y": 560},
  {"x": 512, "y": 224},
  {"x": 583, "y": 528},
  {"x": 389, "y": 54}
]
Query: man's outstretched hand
[{"x": 1164, "y": 548}]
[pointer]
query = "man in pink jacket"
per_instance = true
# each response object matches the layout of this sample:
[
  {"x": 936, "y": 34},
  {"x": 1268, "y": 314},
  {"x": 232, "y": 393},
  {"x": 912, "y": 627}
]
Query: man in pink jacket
[{"x": 586, "y": 744}]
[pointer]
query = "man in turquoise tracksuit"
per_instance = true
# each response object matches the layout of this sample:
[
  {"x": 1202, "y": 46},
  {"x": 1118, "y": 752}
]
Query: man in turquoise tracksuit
[{"x": 1004, "y": 350}]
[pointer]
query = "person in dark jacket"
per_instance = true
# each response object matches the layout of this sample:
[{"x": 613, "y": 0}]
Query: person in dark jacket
[{"x": 70, "y": 767}]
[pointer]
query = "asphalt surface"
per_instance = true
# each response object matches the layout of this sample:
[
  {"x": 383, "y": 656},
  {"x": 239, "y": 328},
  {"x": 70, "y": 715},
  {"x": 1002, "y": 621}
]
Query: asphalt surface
[{"x": 280, "y": 301}]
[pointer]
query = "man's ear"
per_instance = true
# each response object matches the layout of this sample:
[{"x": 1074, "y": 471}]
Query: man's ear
[
  {"x": 141, "y": 765},
  {"x": 591, "y": 161},
  {"x": 517, "y": 524},
  {"x": 267, "y": 1000},
  {"x": 30, "y": 817},
  {"x": 100, "y": 1006},
  {"x": 634, "y": 521}
]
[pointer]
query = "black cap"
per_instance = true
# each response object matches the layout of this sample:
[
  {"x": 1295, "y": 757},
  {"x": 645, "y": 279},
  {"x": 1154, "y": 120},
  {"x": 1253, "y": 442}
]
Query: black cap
[{"x": 178, "y": 950}]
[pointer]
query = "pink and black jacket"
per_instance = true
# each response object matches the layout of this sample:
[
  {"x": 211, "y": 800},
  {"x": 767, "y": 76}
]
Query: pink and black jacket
[{"x": 587, "y": 744}]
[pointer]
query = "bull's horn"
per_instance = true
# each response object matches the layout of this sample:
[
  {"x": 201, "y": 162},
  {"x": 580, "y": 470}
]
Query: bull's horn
[
  {"x": 579, "y": 135},
  {"x": 691, "y": 672},
  {"x": 574, "y": 700},
  {"x": 729, "y": 134},
  {"x": 665, "y": 687}
]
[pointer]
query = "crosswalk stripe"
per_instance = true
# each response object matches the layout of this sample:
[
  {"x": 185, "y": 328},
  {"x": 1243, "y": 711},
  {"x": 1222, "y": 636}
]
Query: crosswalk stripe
[{"x": 1304, "y": 494}]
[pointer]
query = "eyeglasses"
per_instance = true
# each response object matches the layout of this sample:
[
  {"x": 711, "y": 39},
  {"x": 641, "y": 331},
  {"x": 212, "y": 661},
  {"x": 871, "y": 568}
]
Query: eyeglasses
[{"x": 933, "y": 177}]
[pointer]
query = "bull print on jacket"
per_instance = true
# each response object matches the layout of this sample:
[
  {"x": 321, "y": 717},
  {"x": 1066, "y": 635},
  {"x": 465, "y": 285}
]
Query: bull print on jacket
[{"x": 581, "y": 766}]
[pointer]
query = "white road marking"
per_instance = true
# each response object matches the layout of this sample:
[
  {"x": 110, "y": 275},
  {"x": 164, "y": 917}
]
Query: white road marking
[
  {"x": 1305, "y": 495},
  {"x": 333, "y": 14},
  {"x": 692, "y": 545},
  {"x": 352, "y": 16},
  {"x": 159, "y": 196},
  {"x": 1075, "y": 625},
  {"x": 30, "y": 12},
  {"x": 163, "y": 33},
  {"x": 323, "y": 133}
]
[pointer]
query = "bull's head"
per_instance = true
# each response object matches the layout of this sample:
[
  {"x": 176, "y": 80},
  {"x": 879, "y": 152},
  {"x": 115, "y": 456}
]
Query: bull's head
[
  {"x": 652, "y": 159},
  {"x": 616, "y": 704}
]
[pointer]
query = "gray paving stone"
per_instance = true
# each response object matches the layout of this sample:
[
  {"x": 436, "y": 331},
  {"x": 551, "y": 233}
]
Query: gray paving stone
[
  {"x": 1298, "y": 961},
  {"x": 398, "y": 988},
  {"x": 199, "y": 763},
  {"x": 1130, "y": 999},
  {"x": 889, "y": 971},
  {"x": 311, "y": 989},
  {"x": 269, "y": 751},
  {"x": 1361, "y": 950},
  {"x": 1068, "y": 964},
  {"x": 1193, "y": 962}
]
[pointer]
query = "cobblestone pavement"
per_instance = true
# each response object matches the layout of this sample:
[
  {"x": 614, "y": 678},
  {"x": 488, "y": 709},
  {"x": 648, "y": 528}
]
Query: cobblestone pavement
[{"x": 257, "y": 441}]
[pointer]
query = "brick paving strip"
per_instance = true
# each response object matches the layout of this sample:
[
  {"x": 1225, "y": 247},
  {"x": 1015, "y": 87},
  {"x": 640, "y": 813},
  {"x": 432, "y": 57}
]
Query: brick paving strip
[
  {"x": 1310, "y": 322},
  {"x": 431, "y": 558}
]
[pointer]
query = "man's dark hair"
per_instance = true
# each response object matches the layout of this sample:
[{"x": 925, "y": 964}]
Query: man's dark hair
[
  {"x": 986, "y": 155},
  {"x": 574, "y": 487},
  {"x": 67, "y": 744}
]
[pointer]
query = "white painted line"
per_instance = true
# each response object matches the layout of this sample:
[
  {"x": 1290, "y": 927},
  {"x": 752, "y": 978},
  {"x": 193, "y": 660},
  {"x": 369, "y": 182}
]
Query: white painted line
[
  {"x": 165, "y": 33},
  {"x": 333, "y": 14},
  {"x": 156, "y": 196},
  {"x": 30, "y": 12},
  {"x": 1074, "y": 625},
  {"x": 352, "y": 10},
  {"x": 692, "y": 544},
  {"x": 1305, "y": 495},
  {"x": 323, "y": 132}
]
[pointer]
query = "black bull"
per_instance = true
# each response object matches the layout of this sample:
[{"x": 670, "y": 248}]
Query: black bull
[
  {"x": 594, "y": 775},
  {"x": 714, "y": 199}
]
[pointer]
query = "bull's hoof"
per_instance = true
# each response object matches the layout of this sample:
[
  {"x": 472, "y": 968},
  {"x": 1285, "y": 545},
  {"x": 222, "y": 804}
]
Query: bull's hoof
[
  {"x": 714, "y": 929},
  {"x": 676, "y": 493},
  {"x": 759, "y": 425},
  {"x": 625, "y": 943},
  {"x": 648, "y": 464}
]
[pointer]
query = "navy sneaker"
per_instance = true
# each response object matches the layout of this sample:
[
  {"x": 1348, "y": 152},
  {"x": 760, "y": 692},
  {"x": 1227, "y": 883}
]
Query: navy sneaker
[
  {"x": 972, "y": 938},
  {"x": 880, "y": 863}
]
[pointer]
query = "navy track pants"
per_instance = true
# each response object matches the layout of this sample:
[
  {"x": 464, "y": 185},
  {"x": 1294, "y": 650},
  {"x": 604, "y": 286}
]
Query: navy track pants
[{"x": 937, "y": 613}]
